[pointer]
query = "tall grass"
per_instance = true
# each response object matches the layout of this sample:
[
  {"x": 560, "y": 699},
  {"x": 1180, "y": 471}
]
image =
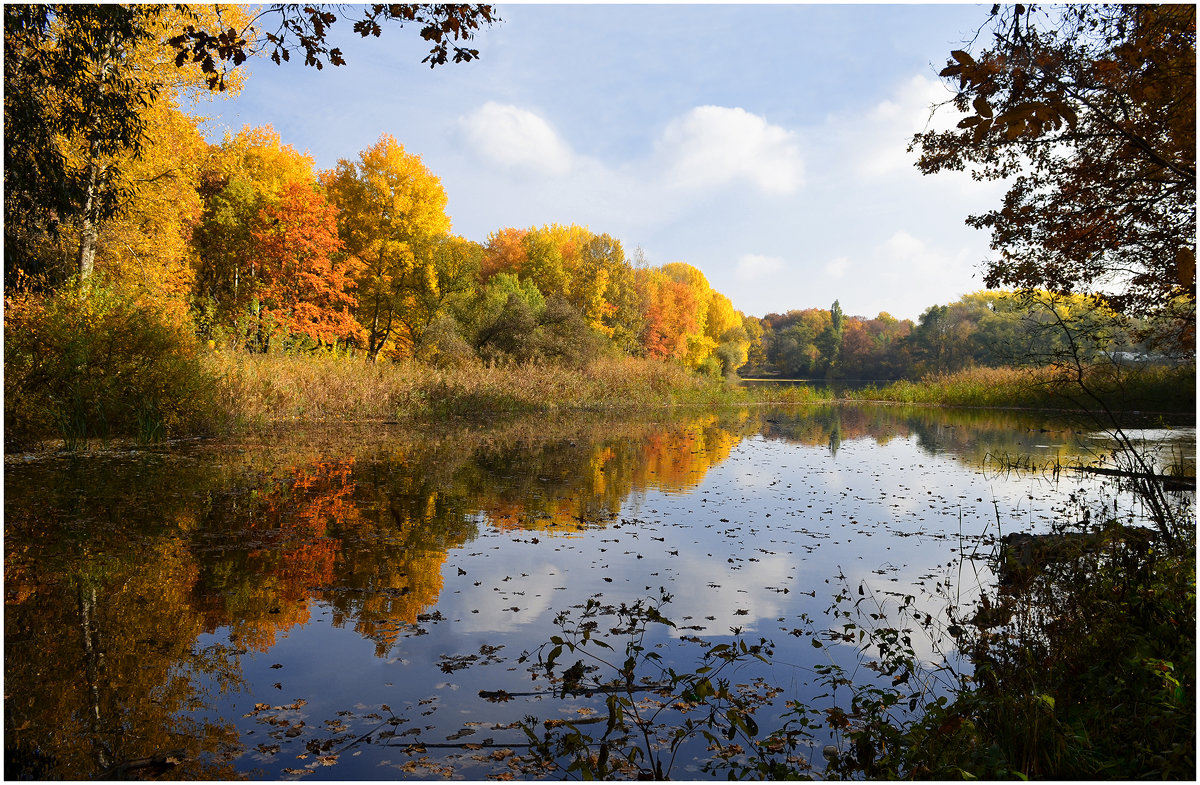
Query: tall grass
[
  {"x": 262, "y": 389},
  {"x": 1122, "y": 389}
]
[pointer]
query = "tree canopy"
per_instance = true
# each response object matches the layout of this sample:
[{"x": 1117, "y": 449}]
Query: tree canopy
[
  {"x": 1089, "y": 113},
  {"x": 78, "y": 80}
]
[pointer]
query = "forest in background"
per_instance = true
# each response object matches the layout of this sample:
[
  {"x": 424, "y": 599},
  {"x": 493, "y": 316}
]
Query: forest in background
[{"x": 136, "y": 251}]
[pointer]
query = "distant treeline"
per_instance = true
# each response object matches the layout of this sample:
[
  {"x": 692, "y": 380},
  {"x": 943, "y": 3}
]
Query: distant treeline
[{"x": 984, "y": 329}]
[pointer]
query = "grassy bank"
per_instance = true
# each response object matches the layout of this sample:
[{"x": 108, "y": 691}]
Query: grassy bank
[
  {"x": 260, "y": 389},
  {"x": 1142, "y": 389},
  {"x": 143, "y": 378}
]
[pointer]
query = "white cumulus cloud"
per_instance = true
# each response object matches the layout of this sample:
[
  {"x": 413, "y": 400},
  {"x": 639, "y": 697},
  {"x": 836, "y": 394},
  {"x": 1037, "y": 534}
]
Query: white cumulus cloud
[
  {"x": 884, "y": 133},
  {"x": 751, "y": 266},
  {"x": 516, "y": 138},
  {"x": 715, "y": 145}
]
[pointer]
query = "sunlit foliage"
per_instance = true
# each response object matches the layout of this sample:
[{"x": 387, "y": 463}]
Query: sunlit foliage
[
  {"x": 256, "y": 192},
  {"x": 304, "y": 290},
  {"x": 391, "y": 214},
  {"x": 993, "y": 328}
]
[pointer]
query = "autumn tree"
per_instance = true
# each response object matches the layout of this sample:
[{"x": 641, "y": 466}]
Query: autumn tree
[
  {"x": 1089, "y": 114},
  {"x": 303, "y": 289},
  {"x": 600, "y": 263},
  {"x": 70, "y": 101},
  {"x": 76, "y": 89},
  {"x": 792, "y": 350},
  {"x": 392, "y": 214},
  {"x": 456, "y": 262},
  {"x": 505, "y": 252},
  {"x": 671, "y": 315},
  {"x": 856, "y": 350},
  {"x": 245, "y": 175},
  {"x": 628, "y": 305},
  {"x": 875, "y": 348},
  {"x": 725, "y": 327},
  {"x": 700, "y": 344},
  {"x": 998, "y": 328},
  {"x": 552, "y": 259},
  {"x": 94, "y": 133}
]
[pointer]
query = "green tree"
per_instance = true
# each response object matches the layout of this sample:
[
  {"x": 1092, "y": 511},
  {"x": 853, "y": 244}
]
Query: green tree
[
  {"x": 456, "y": 263},
  {"x": 756, "y": 333},
  {"x": 829, "y": 342},
  {"x": 506, "y": 317}
]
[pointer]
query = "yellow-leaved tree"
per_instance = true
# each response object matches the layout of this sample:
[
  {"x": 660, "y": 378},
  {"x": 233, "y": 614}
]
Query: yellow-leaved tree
[
  {"x": 142, "y": 243},
  {"x": 726, "y": 326},
  {"x": 391, "y": 217}
]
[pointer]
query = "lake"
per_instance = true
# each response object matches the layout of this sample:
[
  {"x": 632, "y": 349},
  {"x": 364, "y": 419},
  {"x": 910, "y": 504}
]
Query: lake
[{"x": 354, "y": 603}]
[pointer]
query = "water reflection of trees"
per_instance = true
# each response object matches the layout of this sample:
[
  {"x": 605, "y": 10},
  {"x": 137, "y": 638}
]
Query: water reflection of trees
[
  {"x": 100, "y": 658},
  {"x": 115, "y": 567},
  {"x": 974, "y": 436}
]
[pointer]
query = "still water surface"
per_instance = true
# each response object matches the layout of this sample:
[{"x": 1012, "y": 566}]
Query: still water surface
[{"x": 329, "y": 604}]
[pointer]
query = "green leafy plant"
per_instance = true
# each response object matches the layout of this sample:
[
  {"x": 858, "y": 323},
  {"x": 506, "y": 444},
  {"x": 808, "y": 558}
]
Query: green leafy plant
[
  {"x": 1078, "y": 663},
  {"x": 651, "y": 710}
]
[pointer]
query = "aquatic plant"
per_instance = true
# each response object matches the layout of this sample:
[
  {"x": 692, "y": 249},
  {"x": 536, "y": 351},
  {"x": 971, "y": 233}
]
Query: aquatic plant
[{"x": 651, "y": 710}]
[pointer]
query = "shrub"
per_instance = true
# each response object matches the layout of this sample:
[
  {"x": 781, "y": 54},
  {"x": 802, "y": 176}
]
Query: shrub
[
  {"x": 443, "y": 345},
  {"x": 92, "y": 361},
  {"x": 1083, "y": 668}
]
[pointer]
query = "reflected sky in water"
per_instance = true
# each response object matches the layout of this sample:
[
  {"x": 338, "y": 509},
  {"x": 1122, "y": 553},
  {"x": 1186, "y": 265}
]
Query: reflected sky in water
[{"x": 255, "y": 603}]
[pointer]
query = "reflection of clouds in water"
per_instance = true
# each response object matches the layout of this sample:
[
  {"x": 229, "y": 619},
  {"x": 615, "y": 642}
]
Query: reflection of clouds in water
[
  {"x": 967, "y": 578},
  {"x": 755, "y": 480},
  {"x": 748, "y": 589},
  {"x": 533, "y": 594}
]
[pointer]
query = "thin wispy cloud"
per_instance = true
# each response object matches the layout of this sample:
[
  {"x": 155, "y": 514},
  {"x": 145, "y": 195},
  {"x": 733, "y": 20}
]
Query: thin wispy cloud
[
  {"x": 838, "y": 267},
  {"x": 754, "y": 267}
]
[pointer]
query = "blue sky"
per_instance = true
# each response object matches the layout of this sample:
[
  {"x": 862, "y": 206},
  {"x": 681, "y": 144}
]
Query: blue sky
[{"x": 763, "y": 144}]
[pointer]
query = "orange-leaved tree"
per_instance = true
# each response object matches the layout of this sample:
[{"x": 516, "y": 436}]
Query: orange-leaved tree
[
  {"x": 303, "y": 289},
  {"x": 671, "y": 315},
  {"x": 245, "y": 174}
]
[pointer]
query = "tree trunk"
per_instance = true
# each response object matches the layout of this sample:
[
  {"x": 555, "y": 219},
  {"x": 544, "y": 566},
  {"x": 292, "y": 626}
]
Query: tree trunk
[
  {"x": 87, "y": 236},
  {"x": 372, "y": 345}
]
